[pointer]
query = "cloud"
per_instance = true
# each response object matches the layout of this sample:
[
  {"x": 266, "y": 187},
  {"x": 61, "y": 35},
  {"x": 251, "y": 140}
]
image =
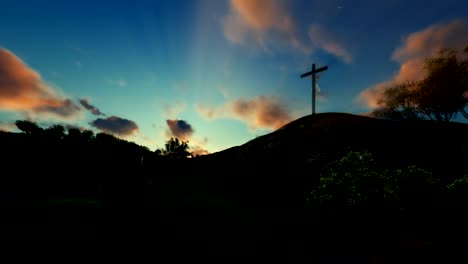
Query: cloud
[
  {"x": 325, "y": 40},
  {"x": 22, "y": 89},
  {"x": 263, "y": 14},
  {"x": 71, "y": 126},
  {"x": 210, "y": 112},
  {"x": 149, "y": 142},
  {"x": 171, "y": 110},
  {"x": 260, "y": 112},
  {"x": 198, "y": 151},
  {"x": 412, "y": 53},
  {"x": 371, "y": 97},
  {"x": 94, "y": 110},
  {"x": 268, "y": 24},
  {"x": 430, "y": 40},
  {"x": 63, "y": 108},
  {"x": 182, "y": 130},
  {"x": 115, "y": 125},
  {"x": 267, "y": 112},
  {"x": 261, "y": 22},
  {"x": 7, "y": 127},
  {"x": 197, "y": 147},
  {"x": 179, "y": 129}
]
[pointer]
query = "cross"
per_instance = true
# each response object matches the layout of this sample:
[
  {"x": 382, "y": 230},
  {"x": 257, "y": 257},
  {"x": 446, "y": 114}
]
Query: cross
[{"x": 313, "y": 72}]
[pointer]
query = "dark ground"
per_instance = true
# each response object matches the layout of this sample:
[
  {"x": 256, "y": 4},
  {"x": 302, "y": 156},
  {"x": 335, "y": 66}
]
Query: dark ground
[{"x": 246, "y": 202}]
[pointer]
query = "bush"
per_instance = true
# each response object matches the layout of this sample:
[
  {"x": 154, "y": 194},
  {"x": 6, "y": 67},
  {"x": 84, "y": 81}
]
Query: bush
[{"x": 358, "y": 181}]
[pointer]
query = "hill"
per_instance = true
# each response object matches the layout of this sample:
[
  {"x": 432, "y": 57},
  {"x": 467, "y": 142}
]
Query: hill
[
  {"x": 315, "y": 139},
  {"x": 254, "y": 193},
  {"x": 279, "y": 169}
]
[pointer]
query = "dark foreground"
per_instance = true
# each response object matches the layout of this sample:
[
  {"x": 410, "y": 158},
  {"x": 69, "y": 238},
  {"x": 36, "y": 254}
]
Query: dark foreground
[
  {"x": 264, "y": 234},
  {"x": 247, "y": 202},
  {"x": 221, "y": 217}
]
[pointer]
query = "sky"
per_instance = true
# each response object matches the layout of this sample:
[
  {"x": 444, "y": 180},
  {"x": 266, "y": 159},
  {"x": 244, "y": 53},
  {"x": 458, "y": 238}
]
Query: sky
[{"x": 216, "y": 73}]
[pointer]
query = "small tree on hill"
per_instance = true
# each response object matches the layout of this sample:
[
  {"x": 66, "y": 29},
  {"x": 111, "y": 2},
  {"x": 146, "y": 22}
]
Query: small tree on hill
[
  {"x": 174, "y": 148},
  {"x": 439, "y": 96}
]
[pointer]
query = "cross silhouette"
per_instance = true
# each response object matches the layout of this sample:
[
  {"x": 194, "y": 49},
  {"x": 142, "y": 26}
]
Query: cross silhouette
[{"x": 313, "y": 72}]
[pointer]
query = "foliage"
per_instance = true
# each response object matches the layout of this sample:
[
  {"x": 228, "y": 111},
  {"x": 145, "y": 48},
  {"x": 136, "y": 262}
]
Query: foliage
[
  {"x": 87, "y": 135},
  {"x": 55, "y": 132},
  {"x": 54, "y": 162},
  {"x": 401, "y": 102},
  {"x": 174, "y": 148},
  {"x": 357, "y": 180},
  {"x": 74, "y": 134},
  {"x": 458, "y": 191},
  {"x": 461, "y": 183},
  {"x": 439, "y": 96},
  {"x": 29, "y": 127}
]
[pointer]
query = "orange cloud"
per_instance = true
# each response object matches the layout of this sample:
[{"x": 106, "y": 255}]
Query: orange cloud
[
  {"x": 430, "y": 40},
  {"x": 259, "y": 112},
  {"x": 197, "y": 147},
  {"x": 257, "y": 21},
  {"x": 22, "y": 89},
  {"x": 268, "y": 24},
  {"x": 323, "y": 39},
  {"x": 209, "y": 112},
  {"x": 7, "y": 127},
  {"x": 371, "y": 96},
  {"x": 412, "y": 53},
  {"x": 198, "y": 151},
  {"x": 263, "y": 14}
]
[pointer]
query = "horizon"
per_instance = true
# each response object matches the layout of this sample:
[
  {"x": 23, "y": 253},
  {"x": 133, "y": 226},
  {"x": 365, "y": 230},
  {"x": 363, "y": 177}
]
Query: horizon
[{"x": 214, "y": 73}]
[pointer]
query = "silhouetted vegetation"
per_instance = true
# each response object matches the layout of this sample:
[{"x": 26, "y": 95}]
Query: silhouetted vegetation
[
  {"x": 174, "y": 148},
  {"x": 53, "y": 162},
  {"x": 359, "y": 181},
  {"x": 29, "y": 127},
  {"x": 441, "y": 95},
  {"x": 326, "y": 178}
]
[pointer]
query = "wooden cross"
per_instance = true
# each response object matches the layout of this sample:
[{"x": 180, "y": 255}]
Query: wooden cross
[{"x": 313, "y": 72}]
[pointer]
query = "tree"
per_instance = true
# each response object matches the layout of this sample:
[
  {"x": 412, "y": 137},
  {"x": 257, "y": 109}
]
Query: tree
[
  {"x": 87, "y": 135},
  {"x": 55, "y": 132},
  {"x": 357, "y": 180},
  {"x": 174, "y": 148},
  {"x": 401, "y": 102},
  {"x": 439, "y": 96},
  {"x": 29, "y": 127},
  {"x": 74, "y": 134}
]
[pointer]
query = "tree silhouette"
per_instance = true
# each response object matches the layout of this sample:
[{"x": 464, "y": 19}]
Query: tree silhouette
[
  {"x": 74, "y": 134},
  {"x": 174, "y": 148},
  {"x": 439, "y": 96},
  {"x": 87, "y": 135},
  {"x": 29, "y": 127},
  {"x": 55, "y": 132}
]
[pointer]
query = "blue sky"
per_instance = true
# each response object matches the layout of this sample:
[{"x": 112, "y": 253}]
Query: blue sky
[{"x": 216, "y": 73}]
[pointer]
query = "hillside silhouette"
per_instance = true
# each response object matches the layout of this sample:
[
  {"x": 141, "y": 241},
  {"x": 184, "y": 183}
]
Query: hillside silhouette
[
  {"x": 315, "y": 139},
  {"x": 256, "y": 198}
]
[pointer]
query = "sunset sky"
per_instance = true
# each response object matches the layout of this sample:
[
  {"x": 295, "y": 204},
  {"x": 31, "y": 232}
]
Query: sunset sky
[{"x": 217, "y": 73}]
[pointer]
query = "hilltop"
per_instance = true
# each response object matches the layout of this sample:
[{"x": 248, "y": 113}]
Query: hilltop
[{"x": 326, "y": 137}]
